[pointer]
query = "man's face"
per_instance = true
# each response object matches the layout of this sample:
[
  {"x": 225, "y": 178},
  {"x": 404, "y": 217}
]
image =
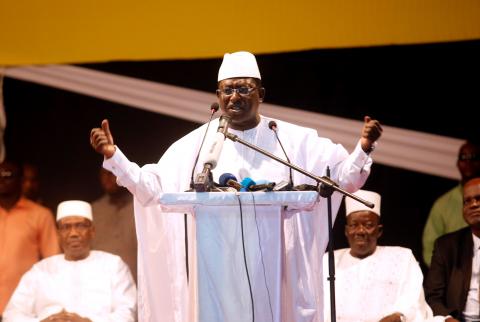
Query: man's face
[
  {"x": 471, "y": 203},
  {"x": 242, "y": 108},
  {"x": 362, "y": 231},
  {"x": 469, "y": 161},
  {"x": 75, "y": 234},
  {"x": 31, "y": 182}
]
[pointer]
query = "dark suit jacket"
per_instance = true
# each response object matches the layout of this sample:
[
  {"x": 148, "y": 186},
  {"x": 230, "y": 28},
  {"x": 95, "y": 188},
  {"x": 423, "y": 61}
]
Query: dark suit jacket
[{"x": 448, "y": 280}]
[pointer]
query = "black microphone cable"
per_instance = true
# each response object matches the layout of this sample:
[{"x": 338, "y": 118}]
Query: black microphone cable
[
  {"x": 261, "y": 255},
  {"x": 272, "y": 125},
  {"x": 245, "y": 258}
]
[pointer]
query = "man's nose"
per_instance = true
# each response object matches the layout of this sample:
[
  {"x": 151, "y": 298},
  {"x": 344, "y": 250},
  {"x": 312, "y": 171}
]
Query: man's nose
[
  {"x": 235, "y": 96},
  {"x": 74, "y": 231},
  {"x": 361, "y": 229},
  {"x": 474, "y": 202}
]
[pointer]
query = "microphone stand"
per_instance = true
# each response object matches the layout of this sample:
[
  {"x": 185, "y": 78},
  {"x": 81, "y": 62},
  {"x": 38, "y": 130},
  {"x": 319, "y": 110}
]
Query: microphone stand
[
  {"x": 329, "y": 186},
  {"x": 326, "y": 189},
  {"x": 327, "y": 193}
]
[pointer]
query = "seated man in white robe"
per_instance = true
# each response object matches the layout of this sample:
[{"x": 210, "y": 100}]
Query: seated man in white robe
[
  {"x": 374, "y": 283},
  {"x": 79, "y": 285}
]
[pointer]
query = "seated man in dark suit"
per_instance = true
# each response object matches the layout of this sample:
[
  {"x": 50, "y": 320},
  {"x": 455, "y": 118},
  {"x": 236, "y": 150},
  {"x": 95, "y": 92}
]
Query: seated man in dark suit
[{"x": 452, "y": 284}]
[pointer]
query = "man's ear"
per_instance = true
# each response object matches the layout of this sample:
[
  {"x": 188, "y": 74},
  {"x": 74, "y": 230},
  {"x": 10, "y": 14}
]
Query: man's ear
[
  {"x": 261, "y": 94},
  {"x": 92, "y": 232},
  {"x": 380, "y": 231}
]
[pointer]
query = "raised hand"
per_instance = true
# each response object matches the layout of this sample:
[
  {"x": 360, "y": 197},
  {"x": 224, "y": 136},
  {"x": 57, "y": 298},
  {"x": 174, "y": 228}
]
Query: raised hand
[
  {"x": 101, "y": 140},
  {"x": 371, "y": 131}
]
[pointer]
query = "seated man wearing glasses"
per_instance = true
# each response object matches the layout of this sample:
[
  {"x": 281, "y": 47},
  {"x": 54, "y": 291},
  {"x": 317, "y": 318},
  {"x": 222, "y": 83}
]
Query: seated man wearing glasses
[
  {"x": 446, "y": 214},
  {"x": 374, "y": 283},
  {"x": 79, "y": 285},
  {"x": 452, "y": 286}
]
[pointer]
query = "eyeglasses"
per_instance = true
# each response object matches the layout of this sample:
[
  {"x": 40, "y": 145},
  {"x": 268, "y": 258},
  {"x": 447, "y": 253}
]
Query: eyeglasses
[
  {"x": 469, "y": 157},
  {"x": 244, "y": 90},
  {"x": 471, "y": 200},
  {"x": 79, "y": 226}
]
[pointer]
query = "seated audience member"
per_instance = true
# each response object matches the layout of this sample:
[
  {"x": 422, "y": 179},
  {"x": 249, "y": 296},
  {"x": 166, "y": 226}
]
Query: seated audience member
[
  {"x": 452, "y": 283},
  {"x": 374, "y": 283},
  {"x": 79, "y": 285},
  {"x": 446, "y": 213},
  {"x": 27, "y": 231},
  {"x": 114, "y": 221}
]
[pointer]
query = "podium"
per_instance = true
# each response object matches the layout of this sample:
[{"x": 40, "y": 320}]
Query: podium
[{"x": 234, "y": 233}]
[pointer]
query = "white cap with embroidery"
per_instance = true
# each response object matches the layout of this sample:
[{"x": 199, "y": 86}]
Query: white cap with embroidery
[
  {"x": 239, "y": 64},
  {"x": 74, "y": 208},
  {"x": 352, "y": 205}
]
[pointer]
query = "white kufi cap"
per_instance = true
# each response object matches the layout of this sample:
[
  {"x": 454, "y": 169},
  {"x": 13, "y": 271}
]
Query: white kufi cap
[
  {"x": 239, "y": 64},
  {"x": 352, "y": 205},
  {"x": 74, "y": 208}
]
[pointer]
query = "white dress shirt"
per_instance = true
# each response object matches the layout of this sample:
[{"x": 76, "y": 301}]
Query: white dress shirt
[{"x": 472, "y": 307}]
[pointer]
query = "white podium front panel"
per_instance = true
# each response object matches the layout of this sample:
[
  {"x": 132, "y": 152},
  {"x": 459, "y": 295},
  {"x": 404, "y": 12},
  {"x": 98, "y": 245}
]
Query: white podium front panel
[{"x": 219, "y": 273}]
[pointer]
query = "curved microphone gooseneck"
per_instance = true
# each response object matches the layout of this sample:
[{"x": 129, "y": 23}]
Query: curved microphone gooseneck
[
  {"x": 272, "y": 125},
  {"x": 213, "y": 109}
]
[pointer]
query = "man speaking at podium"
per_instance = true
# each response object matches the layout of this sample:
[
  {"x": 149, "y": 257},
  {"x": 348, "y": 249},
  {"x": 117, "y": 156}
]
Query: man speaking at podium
[{"x": 305, "y": 237}]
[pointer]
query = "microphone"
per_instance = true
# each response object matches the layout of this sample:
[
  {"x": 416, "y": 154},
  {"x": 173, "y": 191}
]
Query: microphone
[
  {"x": 305, "y": 187},
  {"x": 267, "y": 186},
  {"x": 229, "y": 180},
  {"x": 213, "y": 109},
  {"x": 214, "y": 152},
  {"x": 282, "y": 186},
  {"x": 204, "y": 179},
  {"x": 272, "y": 125}
]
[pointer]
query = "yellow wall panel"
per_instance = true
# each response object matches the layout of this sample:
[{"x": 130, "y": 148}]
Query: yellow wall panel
[{"x": 55, "y": 31}]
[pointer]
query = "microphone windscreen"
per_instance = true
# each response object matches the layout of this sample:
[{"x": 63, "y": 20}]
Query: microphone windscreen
[
  {"x": 214, "y": 107},
  {"x": 246, "y": 183},
  {"x": 272, "y": 125},
  {"x": 222, "y": 181}
]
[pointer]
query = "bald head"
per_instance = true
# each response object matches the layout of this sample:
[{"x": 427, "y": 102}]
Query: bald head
[{"x": 473, "y": 182}]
